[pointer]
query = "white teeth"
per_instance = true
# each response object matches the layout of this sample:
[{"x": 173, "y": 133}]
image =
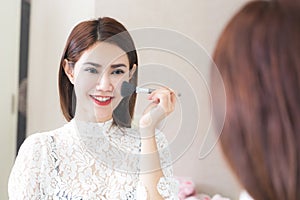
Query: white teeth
[{"x": 102, "y": 99}]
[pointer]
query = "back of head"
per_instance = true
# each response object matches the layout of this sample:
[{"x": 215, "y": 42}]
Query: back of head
[{"x": 258, "y": 58}]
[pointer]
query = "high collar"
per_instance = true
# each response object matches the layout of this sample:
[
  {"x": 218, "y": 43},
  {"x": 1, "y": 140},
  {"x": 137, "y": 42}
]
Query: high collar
[{"x": 85, "y": 128}]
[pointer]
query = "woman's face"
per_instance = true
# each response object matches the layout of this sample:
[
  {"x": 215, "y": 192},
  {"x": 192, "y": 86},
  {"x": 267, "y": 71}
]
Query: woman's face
[{"x": 97, "y": 79}]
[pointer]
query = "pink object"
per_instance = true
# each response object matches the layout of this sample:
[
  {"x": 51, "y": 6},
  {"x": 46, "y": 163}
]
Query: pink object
[
  {"x": 186, "y": 188},
  {"x": 187, "y": 191}
]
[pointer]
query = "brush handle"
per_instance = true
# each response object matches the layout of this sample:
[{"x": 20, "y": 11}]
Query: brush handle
[
  {"x": 149, "y": 91},
  {"x": 144, "y": 90}
]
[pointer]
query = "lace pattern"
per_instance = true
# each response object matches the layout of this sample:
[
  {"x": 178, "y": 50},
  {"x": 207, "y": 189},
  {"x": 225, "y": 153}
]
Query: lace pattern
[{"x": 85, "y": 161}]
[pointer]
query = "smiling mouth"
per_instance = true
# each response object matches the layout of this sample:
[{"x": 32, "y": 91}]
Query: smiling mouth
[{"x": 102, "y": 100}]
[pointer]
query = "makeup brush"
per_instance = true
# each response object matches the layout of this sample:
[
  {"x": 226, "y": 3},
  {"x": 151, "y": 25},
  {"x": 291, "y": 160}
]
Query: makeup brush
[{"x": 128, "y": 89}]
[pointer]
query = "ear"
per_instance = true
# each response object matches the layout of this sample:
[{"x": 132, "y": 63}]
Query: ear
[
  {"x": 132, "y": 71},
  {"x": 69, "y": 70}
]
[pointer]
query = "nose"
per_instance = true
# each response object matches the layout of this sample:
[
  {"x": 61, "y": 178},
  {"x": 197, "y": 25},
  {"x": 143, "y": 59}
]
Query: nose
[{"x": 104, "y": 83}]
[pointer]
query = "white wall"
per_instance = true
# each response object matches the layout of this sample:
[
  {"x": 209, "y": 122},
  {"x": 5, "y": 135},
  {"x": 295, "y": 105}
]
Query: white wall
[
  {"x": 51, "y": 22},
  {"x": 9, "y": 52}
]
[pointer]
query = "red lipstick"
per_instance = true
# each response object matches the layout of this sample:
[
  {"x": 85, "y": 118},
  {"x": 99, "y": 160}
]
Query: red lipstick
[{"x": 102, "y": 100}]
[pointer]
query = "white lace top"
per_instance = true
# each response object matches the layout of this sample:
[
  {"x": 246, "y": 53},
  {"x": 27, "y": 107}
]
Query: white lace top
[{"x": 86, "y": 161}]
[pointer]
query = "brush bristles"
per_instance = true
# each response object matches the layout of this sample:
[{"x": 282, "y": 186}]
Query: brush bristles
[{"x": 127, "y": 89}]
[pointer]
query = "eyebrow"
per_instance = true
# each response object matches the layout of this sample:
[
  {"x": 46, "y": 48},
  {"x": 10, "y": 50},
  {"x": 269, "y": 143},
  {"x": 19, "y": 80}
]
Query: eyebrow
[
  {"x": 92, "y": 63},
  {"x": 98, "y": 65},
  {"x": 118, "y": 65}
]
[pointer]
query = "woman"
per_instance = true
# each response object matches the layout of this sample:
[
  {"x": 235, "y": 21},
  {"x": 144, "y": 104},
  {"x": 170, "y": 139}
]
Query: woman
[
  {"x": 96, "y": 155},
  {"x": 258, "y": 58}
]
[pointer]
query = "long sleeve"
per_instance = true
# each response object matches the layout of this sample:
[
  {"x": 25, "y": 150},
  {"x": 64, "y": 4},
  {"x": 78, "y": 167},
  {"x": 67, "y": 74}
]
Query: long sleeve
[
  {"x": 167, "y": 185},
  {"x": 24, "y": 178}
]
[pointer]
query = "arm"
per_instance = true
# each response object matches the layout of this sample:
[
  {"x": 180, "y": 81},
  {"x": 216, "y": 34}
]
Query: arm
[
  {"x": 150, "y": 165},
  {"x": 151, "y": 171},
  {"x": 24, "y": 178}
]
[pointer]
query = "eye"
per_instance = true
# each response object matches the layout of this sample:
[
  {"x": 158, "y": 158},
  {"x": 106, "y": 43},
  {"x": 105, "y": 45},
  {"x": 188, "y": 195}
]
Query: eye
[
  {"x": 118, "y": 71},
  {"x": 91, "y": 70}
]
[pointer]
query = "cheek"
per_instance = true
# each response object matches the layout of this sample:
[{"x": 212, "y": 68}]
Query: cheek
[
  {"x": 83, "y": 84},
  {"x": 117, "y": 81},
  {"x": 117, "y": 87}
]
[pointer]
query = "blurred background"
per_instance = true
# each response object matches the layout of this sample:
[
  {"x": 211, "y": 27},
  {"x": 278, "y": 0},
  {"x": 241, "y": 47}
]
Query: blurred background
[{"x": 33, "y": 35}]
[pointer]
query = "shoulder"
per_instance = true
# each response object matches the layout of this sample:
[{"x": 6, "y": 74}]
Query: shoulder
[
  {"x": 33, "y": 149},
  {"x": 39, "y": 141},
  {"x": 32, "y": 162},
  {"x": 33, "y": 141}
]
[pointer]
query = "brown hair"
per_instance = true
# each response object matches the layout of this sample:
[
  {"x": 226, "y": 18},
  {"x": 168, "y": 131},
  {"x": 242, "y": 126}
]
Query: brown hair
[
  {"x": 258, "y": 56},
  {"x": 82, "y": 37}
]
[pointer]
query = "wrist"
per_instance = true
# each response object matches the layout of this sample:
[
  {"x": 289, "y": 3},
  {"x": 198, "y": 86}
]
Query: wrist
[{"x": 147, "y": 132}]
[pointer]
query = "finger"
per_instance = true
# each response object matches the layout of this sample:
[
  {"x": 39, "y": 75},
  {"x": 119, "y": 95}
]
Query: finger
[
  {"x": 173, "y": 98},
  {"x": 153, "y": 95},
  {"x": 168, "y": 101},
  {"x": 160, "y": 94},
  {"x": 165, "y": 100},
  {"x": 172, "y": 102}
]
